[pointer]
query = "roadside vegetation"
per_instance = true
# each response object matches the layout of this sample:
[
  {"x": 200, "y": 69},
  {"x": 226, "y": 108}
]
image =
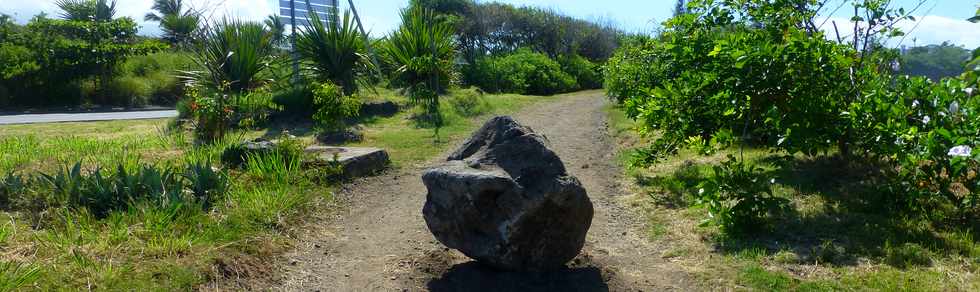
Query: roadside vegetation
[{"x": 769, "y": 156}]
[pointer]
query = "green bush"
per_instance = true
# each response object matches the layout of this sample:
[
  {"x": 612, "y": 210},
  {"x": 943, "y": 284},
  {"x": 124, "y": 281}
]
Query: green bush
[
  {"x": 786, "y": 87},
  {"x": 333, "y": 107},
  {"x": 522, "y": 72},
  {"x": 587, "y": 74},
  {"x": 159, "y": 75},
  {"x": 631, "y": 69},
  {"x": 296, "y": 101},
  {"x": 469, "y": 102},
  {"x": 130, "y": 91},
  {"x": 253, "y": 109},
  {"x": 738, "y": 198}
]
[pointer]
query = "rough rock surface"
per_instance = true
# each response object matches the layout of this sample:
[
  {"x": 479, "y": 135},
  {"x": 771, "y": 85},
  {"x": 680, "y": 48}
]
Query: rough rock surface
[
  {"x": 505, "y": 199},
  {"x": 352, "y": 134}
]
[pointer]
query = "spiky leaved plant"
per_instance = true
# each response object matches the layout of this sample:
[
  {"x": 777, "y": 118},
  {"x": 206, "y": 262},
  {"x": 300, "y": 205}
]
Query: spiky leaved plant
[
  {"x": 335, "y": 51},
  {"x": 234, "y": 53},
  {"x": 422, "y": 53},
  {"x": 422, "y": 50}
]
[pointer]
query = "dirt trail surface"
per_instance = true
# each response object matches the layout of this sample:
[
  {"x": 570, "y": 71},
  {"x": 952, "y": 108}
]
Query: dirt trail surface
[{"x": 378, "y": 240}]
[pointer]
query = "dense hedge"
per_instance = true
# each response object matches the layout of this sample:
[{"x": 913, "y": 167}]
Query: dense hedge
[
  {"x": 586, "y": 73},
  {"x": 522, "y": 72}
]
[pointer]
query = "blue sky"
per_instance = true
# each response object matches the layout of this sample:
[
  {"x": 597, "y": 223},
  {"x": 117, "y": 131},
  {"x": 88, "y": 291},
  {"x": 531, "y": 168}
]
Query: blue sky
[{"x": 942, "y": 20}]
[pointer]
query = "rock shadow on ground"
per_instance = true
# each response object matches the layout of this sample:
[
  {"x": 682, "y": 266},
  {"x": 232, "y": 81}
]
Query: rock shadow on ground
[{"x": 445, "y": 271}]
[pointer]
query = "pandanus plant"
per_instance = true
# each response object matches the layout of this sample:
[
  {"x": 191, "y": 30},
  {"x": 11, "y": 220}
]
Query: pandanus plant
[
  {"x": 335, "y": 51},
  {"x": 233, "y": 53},
  {"x": 422, "y": 51}
]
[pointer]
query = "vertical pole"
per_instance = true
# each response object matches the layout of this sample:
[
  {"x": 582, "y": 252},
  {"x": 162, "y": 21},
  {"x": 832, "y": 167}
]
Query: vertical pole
[
  {"x": 292, "y": 19},
  {"x": 367, "y": 42}
]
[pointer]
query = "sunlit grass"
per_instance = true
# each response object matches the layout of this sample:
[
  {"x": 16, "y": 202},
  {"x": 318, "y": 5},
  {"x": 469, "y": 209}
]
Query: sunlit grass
[{"x": 149, "y": 247}]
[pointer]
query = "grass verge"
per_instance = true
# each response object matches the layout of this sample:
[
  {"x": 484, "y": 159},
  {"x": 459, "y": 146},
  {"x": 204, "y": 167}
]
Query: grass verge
[{"x": 148, "y": 247}]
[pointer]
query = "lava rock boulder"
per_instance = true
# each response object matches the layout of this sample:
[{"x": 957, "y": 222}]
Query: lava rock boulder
[{"x": 504, "y": 199}]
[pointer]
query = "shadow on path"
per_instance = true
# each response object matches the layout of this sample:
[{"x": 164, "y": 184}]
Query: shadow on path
[{"x": 472, "y": 276}]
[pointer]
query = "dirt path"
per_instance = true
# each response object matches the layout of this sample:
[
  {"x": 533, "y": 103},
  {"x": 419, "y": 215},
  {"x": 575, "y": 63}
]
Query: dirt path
[{"x": 379, "y": 242}]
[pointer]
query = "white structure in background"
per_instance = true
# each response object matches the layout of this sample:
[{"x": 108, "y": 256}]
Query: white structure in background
[{"x": 297, "y": 12}]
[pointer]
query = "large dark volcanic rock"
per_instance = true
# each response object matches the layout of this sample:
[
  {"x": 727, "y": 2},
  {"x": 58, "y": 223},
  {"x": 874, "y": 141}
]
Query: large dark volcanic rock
[{"x": 504, "y": 199}]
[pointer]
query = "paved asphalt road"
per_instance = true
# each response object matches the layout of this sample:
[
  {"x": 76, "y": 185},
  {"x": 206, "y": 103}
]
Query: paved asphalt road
[{"x": 85, "y": 117}]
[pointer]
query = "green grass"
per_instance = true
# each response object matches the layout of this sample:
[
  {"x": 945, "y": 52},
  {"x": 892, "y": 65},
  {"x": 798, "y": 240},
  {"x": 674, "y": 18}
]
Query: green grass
[
  {"x": 841, "y": 233},
  {"x": 150, "y": 247}
]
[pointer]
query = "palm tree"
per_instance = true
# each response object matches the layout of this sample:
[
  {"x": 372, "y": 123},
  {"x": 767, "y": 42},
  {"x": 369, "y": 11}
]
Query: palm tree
[
  {"x": 276, "y": 28},
  {"x": 177, "y": 24},
  {"x": 179, "y": 29},
  {"x": 164, "y": 8},
  {"x": 87, "y": 10}
]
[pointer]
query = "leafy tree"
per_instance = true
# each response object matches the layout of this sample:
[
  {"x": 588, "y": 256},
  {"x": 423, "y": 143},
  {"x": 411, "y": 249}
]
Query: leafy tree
[
  {"x": 88, "y": 42},
  {"x": 762, "y": 69},
  {"x": 335, "y": 52}
]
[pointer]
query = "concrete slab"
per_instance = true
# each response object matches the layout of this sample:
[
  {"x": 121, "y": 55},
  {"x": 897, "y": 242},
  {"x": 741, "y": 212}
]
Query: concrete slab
[{"x": 357, "y": 161}]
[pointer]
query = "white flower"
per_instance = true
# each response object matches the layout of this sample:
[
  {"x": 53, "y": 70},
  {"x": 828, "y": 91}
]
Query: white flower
[
  {"x": 969, "y": 91},
  {"x": 954, "y": 107},
  {"x": 896, "y": 66},
  {"x": 960, "y": 151},
  {"x": 700, "y": 191},
  {"x": 772, "y": 181},
  {"x": 926, "y": 119},
  {"x": 780, "y": 141},
  {"x": 915, "y": 103}
]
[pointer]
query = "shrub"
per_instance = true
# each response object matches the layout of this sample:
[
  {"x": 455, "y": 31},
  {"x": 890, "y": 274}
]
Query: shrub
[
  {"x": 296, "y": 101},
  {"x": 588, "y": 75},
  {"x": 129, "y": 91},
  {"x": 523, "y": 72},
  {"x": 631, "y": 70},
  {"x": 738, "y": 198},
  {"x": 253, "y": 109},
  {"x": 333, "y": 107},
  {"x": 469, "y": 102},
  {"x": 211, "y": 111}
]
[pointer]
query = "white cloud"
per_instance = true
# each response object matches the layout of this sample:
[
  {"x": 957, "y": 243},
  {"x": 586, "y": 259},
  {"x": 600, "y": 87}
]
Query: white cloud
[{"x": 931, "y": 29}]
